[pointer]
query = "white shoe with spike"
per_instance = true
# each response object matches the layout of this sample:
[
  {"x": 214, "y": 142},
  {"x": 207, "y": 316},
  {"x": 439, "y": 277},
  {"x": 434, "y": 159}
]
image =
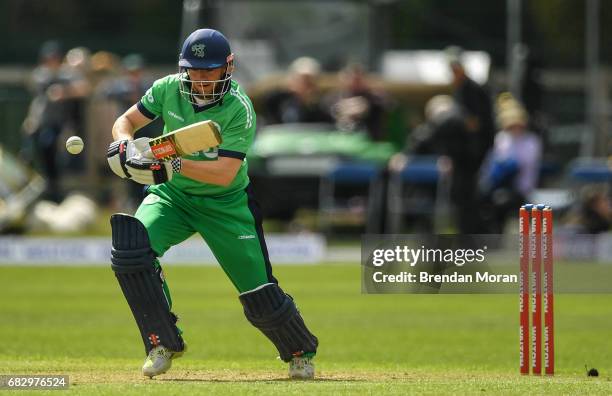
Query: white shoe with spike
[
  {"x": 159, "y": 361},
  {"x": 301, "y": 367}
]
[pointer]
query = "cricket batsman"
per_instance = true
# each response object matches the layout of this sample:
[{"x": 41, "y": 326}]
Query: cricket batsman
[{"x": 206, "y": 193}]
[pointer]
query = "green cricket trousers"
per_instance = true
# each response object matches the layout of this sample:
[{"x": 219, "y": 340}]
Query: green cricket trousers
[{"x": 231, "y": 225}]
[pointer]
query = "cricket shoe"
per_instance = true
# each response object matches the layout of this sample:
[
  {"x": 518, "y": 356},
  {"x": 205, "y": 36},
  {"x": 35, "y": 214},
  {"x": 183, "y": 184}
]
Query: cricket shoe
[
  {"x": 301, "y": 367},
  {"x": 159, "y": 361}
]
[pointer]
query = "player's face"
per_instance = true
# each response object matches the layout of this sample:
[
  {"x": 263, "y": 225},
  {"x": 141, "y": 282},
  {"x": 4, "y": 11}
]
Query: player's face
[
  {"x": 203, "y": 81},
  {"x": 204, "y": 86}
]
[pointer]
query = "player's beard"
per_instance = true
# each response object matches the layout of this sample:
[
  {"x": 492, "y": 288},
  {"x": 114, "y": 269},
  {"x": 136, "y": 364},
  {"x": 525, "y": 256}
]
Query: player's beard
[{"x": 205, "y": 94}]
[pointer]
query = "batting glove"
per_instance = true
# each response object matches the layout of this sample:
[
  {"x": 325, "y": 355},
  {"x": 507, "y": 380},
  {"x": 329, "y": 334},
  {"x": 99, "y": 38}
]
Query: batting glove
[
  {"x": 117, "y": 156},
  {"x": 120, "y": 151},
  {"x": 151, "y": 171}
]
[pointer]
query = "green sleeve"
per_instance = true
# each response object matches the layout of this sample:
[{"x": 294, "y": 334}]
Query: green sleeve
[{"x": 238, "y": 137}]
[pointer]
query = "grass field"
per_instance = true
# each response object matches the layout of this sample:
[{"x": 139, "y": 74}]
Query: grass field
[{"x": 74, "y": 321}]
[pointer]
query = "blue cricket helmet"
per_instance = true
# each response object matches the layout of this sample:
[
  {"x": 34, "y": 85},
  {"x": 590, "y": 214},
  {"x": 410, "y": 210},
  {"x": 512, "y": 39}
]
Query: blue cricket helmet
[{"x": 205, "y": 49}]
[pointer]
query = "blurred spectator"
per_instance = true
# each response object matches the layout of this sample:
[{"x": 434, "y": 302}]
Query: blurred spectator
[
  {"x": 594, "y": 212},
  {"x": 531, "y": 86},
  {"x": 301, "y": 102},
  {"x": 510, "y": 172},
  {"x": 105, "y": 69},
  {"x": 124, "y": 91},
  {"x": 357, "y": 106},
  {"x": 53, "y": 86},
  {"x": 76, "y": 67},
  {"x": 104, "y": 65},
  {"x": 444, "y": 133},
  {"x": 131, "y": 85},
  {"x": 475, "y": 103}
]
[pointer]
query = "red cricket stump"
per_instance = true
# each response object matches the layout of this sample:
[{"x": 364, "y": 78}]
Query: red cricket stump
[
  {"x": 524, "y": 290},
  {"x": 536, "y": 290},
  {"x": 547, "y": 257}
]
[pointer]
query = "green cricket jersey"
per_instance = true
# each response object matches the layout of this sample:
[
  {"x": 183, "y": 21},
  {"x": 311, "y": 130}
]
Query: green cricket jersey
[{"x": 235, "y": 118}]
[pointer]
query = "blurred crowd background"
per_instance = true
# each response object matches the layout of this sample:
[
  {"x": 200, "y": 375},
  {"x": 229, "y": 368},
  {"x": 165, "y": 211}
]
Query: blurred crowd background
[{"x": 381, "y": 116}]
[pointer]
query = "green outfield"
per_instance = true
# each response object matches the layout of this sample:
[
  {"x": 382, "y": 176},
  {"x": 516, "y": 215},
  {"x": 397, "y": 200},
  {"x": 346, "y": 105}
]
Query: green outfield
[{"x": 74, "y": 321}]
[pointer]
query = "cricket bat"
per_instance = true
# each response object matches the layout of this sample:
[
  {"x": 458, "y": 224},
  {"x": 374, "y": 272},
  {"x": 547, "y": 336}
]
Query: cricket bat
[{"x": 187, "y": 140}]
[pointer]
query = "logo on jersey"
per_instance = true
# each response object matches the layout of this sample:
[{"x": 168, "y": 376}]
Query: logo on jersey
[
  {"x": 151, "y": 199},
  {"x": 150, "y": 96},
  {"x": 198, "y": 50},
  {"x": 212, "y": 153},
  {"x": 178, "y": 117}
]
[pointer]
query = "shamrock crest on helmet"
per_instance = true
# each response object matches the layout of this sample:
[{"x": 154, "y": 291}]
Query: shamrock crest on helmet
[{"x": 198, "y": 50}]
